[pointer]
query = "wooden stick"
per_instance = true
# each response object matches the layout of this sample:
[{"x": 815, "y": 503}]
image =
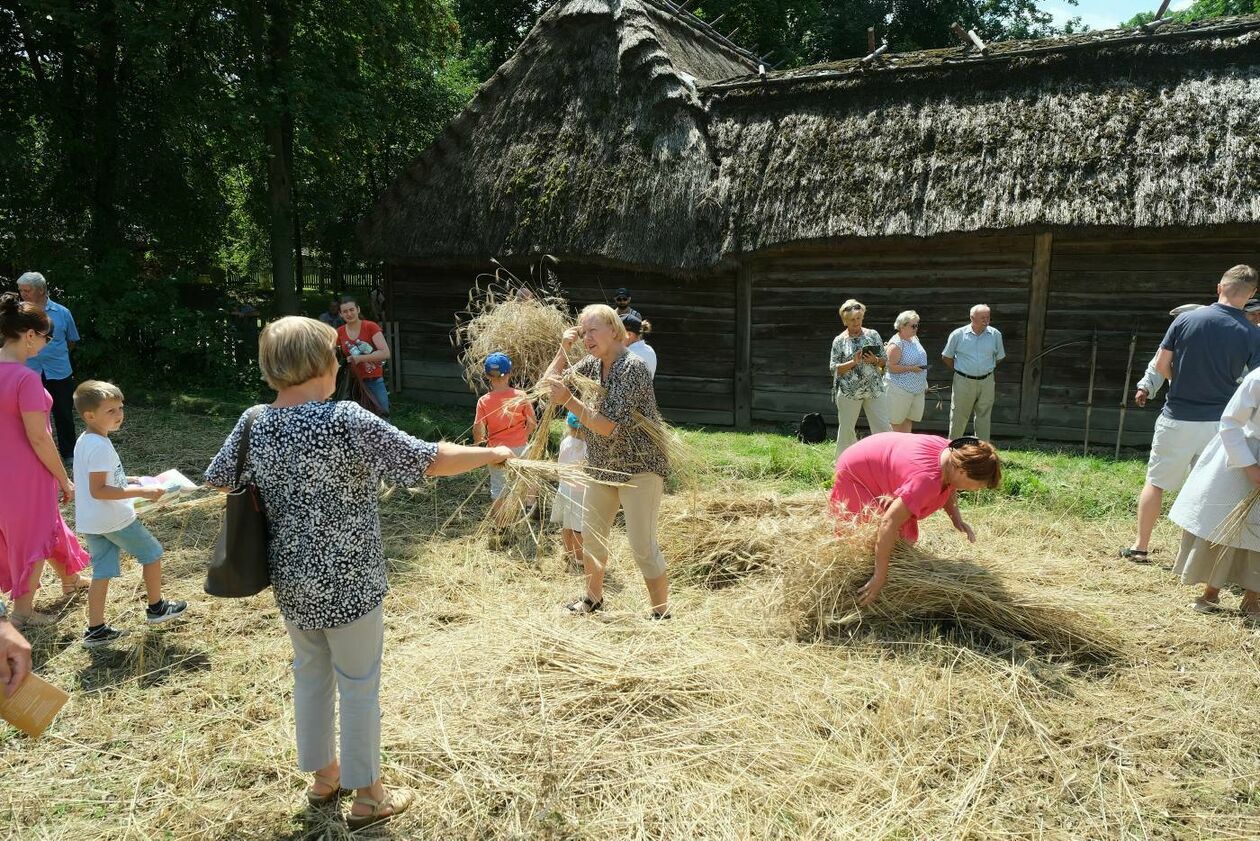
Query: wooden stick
[
  {"x": 1124, "y": 395},
  {"x": 1089, "y": 397},
  {"x": 870, "y": 39}
]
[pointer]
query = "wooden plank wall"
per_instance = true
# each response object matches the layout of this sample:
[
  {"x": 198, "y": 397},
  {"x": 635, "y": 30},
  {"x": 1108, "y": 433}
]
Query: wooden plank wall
[
  {"x": 1118, "y": 286},
  {"x": 693, "y": 331},
  {"x": 796, "y": 294}
]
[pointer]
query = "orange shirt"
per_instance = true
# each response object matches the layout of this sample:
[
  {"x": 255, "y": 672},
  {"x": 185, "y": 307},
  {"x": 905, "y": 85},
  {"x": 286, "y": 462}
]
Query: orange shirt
[{"x": 505, "y": 425}]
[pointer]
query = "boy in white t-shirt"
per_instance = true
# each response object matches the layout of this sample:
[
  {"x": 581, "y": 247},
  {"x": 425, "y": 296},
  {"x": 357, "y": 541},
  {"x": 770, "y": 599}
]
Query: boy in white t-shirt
[{"x": 104, "y": 513}]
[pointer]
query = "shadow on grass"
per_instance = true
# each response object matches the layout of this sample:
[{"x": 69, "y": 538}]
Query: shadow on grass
[{"x": 149, "y": 659}]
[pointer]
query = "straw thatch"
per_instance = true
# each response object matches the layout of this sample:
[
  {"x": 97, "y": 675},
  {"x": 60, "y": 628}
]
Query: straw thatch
[{"x": 626, "y": 131}]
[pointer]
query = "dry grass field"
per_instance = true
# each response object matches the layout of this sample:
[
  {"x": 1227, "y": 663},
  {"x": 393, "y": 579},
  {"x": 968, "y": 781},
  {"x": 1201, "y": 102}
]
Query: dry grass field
[{"x": 513, "y": 720}]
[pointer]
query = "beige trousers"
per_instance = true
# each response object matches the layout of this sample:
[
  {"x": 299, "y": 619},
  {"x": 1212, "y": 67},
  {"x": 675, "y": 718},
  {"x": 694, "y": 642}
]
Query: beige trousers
[
  {"x": 640, "y": 499},
  {"x": 847, "y": 409},
  {"x": 969, "y": 396}
]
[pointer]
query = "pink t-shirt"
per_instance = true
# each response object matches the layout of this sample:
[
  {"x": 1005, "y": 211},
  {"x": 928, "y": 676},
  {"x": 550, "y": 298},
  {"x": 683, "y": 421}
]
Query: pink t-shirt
[{"x": 892, "y": 464}]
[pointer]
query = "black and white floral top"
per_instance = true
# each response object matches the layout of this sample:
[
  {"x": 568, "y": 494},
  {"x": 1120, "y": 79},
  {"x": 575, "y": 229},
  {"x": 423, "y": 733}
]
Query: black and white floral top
[
  {"x": 318, "y": 467},
  {"x": 627, "y": 389}
]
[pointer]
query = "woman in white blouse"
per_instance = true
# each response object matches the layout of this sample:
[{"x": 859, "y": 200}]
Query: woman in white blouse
[
  {"x": 906, "y": 373},
  {"x": 1215, "y": 551},
  {"x": 636, "y": 329}
]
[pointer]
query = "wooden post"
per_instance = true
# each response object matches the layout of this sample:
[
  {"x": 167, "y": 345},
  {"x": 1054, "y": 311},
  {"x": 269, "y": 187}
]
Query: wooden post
[
  {"x": 1089, "y": 396},
  {"x": 743, "y": 347},
  {"x": 1124, "y": 395},
  {"x": 1035, "y": 335}
]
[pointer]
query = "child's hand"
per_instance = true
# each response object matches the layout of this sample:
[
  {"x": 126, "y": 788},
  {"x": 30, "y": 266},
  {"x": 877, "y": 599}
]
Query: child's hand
[{"x": 151, "y": 494}]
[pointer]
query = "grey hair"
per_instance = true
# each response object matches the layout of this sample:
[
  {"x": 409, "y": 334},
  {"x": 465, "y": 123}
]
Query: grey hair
[
  {"x": 905, "y": 318},
  {"x": 34, "y": 279},
  {"x": 977, "y": 309}
]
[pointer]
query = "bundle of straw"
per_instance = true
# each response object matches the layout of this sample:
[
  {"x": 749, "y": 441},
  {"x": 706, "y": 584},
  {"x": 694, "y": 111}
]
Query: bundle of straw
[{"x": 528, "y": 330}]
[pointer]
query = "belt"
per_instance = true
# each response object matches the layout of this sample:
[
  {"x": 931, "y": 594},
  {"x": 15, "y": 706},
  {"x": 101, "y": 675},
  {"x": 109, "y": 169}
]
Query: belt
[{"x": 970, "y": 377}]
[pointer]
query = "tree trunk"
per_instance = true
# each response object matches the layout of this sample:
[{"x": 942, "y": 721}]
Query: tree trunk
[
  {"x": 271, "y": 37},
  {"x": 104, "y": 235}
]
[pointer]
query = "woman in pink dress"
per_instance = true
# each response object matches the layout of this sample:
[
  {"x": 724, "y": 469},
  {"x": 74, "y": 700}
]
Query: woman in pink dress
[
  {"x": 31, "y": 528},
  {"x": 900, "y": 478}
]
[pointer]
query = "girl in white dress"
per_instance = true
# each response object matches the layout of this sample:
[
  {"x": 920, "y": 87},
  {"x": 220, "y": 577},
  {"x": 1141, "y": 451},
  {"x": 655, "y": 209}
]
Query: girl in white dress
[
  {"x": 1213, "y": 553},
  {"x": 568, "y": 508}
]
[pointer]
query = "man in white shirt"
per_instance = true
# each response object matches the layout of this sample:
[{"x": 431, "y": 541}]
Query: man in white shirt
[{"x": 972, "y": 353}]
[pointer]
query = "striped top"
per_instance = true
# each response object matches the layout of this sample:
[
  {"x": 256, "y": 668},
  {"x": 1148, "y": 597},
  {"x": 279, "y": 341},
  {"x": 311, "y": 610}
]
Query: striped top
[{"x": 912, "y": 353}]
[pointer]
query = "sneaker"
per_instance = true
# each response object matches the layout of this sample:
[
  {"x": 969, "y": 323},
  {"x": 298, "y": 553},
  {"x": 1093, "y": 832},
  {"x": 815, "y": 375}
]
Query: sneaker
[
  {"x": 165, "y": 611},
  {"x": 104, "y": 635}
]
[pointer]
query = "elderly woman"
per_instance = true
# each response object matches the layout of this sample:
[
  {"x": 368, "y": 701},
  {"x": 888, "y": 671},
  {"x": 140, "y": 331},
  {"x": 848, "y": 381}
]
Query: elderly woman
[
  {"x": 906, "y": 373},
  {"x": 619, "y": 449},
  {"x": 857, "y": 367},
  {"x": 31, "y": 527},
  {"x": 899, "y": 479},
  {"x": 318, "y": 466}
]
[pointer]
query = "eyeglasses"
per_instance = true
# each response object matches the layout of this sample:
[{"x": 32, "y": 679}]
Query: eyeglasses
[
  {"x": 914, "y": 326},
  {"x": 47, "y": 337}
]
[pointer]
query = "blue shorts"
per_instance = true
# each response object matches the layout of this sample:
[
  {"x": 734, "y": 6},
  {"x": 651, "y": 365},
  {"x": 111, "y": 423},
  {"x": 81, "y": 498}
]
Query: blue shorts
[{"x": 133, "y": 539}]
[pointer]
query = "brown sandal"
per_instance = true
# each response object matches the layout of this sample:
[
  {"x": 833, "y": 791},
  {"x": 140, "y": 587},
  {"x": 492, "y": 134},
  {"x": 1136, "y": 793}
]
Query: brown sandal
[
  {"x": 316, "y": 799},
  {"x": 397, "y": 801}
]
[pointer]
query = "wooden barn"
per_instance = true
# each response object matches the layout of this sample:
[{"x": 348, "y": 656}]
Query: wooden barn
[{"x": 1080, "y": 186}]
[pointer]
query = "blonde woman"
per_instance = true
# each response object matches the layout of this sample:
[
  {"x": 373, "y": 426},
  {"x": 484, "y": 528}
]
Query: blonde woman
[
  {"x": 857, "y": 372},
  {"x": 618, "y": 449},
  {"x": 318, "y": 466},
  {"x": 906, "y": 373}
]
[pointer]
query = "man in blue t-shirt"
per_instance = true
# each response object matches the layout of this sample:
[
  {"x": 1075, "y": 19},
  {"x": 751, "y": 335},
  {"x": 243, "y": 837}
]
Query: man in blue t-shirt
[
  {"x": 1202, "y": 355},
  {"x": 53, "y": 362}
]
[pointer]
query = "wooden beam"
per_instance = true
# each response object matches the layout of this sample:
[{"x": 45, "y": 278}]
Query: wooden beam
[
  {"x": 743, "y": 347},
  {"x": 1038, "y": 297}
]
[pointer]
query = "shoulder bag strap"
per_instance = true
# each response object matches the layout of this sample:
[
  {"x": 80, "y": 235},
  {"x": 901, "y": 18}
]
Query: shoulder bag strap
[{"x": 242, "y": 448}]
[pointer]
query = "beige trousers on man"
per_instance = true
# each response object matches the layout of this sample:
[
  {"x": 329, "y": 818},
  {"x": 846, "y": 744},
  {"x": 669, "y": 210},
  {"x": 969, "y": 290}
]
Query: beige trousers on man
[{"x": 969, "y": 396}]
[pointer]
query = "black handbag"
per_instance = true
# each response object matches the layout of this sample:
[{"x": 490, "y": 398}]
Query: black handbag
[{"x": 239, "y": 567}]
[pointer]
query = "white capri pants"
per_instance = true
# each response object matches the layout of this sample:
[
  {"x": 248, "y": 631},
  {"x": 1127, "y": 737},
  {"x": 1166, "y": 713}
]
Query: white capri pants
[{"x": 344, "y": 661}]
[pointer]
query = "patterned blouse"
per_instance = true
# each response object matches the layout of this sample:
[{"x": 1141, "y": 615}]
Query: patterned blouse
[
  {"x": 912, "y": 353},
  {"x": 863, "y": 380},
  {"x": 627, "y": 389},
  {"x": 318, "y": 467}
]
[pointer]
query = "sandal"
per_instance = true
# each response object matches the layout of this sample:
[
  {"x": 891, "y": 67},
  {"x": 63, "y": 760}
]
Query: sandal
[
  {"x": 1202, "y": 605},
  {"x": 658, "y": 615},
  {"x": 396, "y": 800},
  {"x": 1137, "y": 556},
  {"x": 77, "y": 585},
  {"x": 314, "y": 798},
  {"x": 31, "y": 620},
  {"x": 584, "y": 606}
]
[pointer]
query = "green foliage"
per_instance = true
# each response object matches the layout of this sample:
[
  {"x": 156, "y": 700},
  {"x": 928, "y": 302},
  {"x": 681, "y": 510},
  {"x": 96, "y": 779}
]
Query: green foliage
[{"x": 1201, "y": 10}]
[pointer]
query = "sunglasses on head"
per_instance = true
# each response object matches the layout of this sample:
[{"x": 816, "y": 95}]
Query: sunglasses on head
[
  {"x": 853, "y": 308},
  {"x": 964, "y": 441}
]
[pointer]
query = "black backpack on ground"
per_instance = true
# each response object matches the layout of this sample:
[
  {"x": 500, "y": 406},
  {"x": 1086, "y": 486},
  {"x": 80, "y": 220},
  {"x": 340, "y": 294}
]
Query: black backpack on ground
[{"x": 812, "y": 429}]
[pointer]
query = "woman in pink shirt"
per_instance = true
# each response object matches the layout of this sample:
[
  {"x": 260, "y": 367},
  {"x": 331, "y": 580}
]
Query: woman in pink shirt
[{"x": 902, "y": 478}]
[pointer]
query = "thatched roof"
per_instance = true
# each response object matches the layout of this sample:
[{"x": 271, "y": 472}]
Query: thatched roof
[{"x": 625, "y": 130}]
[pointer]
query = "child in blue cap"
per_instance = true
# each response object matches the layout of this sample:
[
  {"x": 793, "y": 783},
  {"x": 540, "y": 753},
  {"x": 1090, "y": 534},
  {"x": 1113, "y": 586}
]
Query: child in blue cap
[
  {"x": 567, "y": 510},
  {"x": 502, "y": 420}
]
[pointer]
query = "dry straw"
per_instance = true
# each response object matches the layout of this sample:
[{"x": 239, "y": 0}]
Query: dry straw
[{"x": 499, "y": 320}]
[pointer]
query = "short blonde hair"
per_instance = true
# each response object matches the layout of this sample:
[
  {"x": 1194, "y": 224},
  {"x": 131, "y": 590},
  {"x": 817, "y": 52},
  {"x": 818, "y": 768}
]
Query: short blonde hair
[
  {"x": 1234, "y": 280},
  {"x": 851, "y": 304},
  {"x": 905, "y": 318},
  {"x": 606, "y": 314},
  {"x": 90, "y": 394},
  {"x": 294, "y": 349}
]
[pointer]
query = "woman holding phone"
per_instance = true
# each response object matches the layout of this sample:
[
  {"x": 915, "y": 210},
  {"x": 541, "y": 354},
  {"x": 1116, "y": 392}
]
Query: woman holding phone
[
  {"x": 906, "y": 373},
  {"x": 857, "y": 369}
]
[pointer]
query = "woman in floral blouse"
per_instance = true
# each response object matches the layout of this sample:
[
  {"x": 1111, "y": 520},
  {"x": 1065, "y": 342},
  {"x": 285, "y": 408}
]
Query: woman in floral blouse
[
  {"x": 318, "y": 466},
  {"x": 857, "y": 370},
  {"x": 619, "y": 450}
]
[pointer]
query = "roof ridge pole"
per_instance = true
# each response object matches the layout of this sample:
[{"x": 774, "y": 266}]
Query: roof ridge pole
[{"x": 1159, "y": 19}]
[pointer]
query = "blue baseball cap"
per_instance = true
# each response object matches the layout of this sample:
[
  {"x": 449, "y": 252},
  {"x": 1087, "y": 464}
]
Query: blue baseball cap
[
  {"x": 572, "y": 420},
  {"x": 498, "y": 363}
]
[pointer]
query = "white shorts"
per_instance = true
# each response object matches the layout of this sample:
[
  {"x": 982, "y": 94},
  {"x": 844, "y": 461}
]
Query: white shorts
[
  {"x": 567, "y": 507},
  {"x": 902, "y": 405},
  {"x": 1175, "y": 448}
]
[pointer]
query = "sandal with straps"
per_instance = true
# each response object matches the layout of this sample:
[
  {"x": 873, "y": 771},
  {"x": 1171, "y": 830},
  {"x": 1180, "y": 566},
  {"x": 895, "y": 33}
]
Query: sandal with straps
[
  {"x": 1137, "y": 556},
  {"x": 585, "y": 605},
  {"x": 316, "y": 799},
  {"x": 396, "y": 800}
]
